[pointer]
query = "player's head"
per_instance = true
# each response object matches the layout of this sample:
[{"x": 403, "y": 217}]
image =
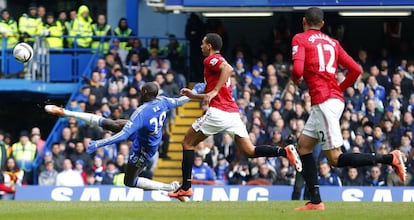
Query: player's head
[
  {"x": 313, "y": 19},
  {"x": 211, "y": 43},
  {"x": 149, "y": 91}
]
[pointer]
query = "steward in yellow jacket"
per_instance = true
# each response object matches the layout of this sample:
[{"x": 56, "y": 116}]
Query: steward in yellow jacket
[
  {"x": 53, "y": 32},
  {"x": 30, "y": 25},
  {"x": 123, "y": 31},
  {"x": 101, "y": 29},
  {"x": 24, "y": 152},
  {"x": 82, "y": 27},
  {"x": 8, "y": 29}
]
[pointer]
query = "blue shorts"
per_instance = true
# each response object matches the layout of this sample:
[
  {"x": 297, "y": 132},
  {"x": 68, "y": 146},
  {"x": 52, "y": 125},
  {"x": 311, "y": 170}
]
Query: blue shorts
[{"x": 141, "y": 157}]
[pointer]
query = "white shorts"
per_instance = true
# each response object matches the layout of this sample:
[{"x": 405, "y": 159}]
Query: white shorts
[
  {"x": 323, "y": 123},
  {"x": 215, "y": 121}
]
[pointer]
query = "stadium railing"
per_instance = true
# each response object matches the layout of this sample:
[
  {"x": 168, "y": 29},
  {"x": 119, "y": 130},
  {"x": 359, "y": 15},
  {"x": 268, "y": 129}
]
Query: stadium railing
[{"x": 77, "y": 58}]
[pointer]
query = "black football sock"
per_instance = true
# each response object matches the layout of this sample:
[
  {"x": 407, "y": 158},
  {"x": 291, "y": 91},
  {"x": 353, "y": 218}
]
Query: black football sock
[
  {"x": 269, "y": 151},
  {"x": 356, "y": 160},
  {"x": 384, "y": 158},
  {"x": 187, "y": 168},
  {"x": 310, "y": 174}
]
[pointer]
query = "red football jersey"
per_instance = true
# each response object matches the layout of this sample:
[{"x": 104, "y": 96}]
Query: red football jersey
[
  {"x": 223, "y": 100},
  {"x": 316, "y": 57}
]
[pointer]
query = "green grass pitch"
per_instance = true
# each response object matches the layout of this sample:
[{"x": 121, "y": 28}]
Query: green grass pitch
[{"x": 282, "y": 210}]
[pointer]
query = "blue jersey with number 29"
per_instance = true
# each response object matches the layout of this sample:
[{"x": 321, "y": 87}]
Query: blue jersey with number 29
[
  {"x": 147, "y": 121},
  {"x": 145, "y": 125}
]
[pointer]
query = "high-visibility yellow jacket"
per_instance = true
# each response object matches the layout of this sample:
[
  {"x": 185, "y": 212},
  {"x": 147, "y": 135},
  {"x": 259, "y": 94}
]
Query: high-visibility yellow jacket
[
  {"x": 82, "y": 27},
  {"x": 99, "y": 31},
  {"x": 9, "y": 30},
  {"x": 119, "y": 179},
  {"x": 24, "y": 155},
  {"x": 54, "y": 37},
  {"x": 30, "y": 27},
  {"x": 123, "y": 33}
]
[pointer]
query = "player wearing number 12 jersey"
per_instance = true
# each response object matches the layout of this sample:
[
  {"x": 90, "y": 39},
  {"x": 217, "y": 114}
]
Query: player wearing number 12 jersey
[
  {"x": 315, "y": 58},
  {"x": 221, "y": 115}
]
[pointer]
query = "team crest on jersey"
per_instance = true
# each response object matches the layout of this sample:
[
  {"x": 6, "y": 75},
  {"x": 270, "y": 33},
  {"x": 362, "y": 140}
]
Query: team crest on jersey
[
  {"x": 295, "y": 49},
  {"x": 213, "y": 61},
  {"x": 128, "y": 124}
]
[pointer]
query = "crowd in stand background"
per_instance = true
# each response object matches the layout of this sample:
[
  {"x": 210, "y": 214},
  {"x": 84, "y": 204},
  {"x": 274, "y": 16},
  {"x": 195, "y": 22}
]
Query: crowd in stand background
[{"x": 378, "y": 118}]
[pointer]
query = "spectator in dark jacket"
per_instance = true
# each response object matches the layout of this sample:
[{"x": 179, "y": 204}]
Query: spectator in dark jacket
[
  {"x": 375, "y": 178},
  {"x": 265, "y": 173},
  {"x": 80, "y": 154},
  {"x": 353, "y": 178},
  {"x": 110, "y": 172}
]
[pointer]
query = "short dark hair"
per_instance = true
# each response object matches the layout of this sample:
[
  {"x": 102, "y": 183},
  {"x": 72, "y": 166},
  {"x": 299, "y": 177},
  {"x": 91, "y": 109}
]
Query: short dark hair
[
  {"x": 151, "y": 89},
  {"x": 314, "y": 16},
  {"x": 215, "y": 41}
]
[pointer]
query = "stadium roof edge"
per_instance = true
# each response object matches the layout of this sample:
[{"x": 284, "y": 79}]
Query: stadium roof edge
[{"x": 180, "y": 8}]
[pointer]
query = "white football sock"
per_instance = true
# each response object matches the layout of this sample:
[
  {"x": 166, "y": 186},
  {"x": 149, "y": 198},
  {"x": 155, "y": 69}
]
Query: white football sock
[
  {"x": 89, "y": 118},
  {"x": 148, "y": 184}
]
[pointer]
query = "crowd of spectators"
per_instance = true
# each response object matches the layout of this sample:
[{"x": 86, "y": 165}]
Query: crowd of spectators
[{"x": 378, "y": 118}]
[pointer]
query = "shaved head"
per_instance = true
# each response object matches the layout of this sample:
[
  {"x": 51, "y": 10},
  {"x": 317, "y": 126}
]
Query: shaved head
[{"x": 149, "y": 91}]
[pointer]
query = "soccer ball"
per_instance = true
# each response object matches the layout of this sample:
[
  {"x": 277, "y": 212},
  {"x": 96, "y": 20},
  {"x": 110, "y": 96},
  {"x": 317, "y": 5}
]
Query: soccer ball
[{"x": 23, "y": 52}]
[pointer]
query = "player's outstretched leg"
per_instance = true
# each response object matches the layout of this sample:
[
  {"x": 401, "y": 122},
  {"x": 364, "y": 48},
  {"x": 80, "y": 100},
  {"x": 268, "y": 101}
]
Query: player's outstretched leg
[
  {"x": 398, "y": 164},
  {"x": 184, "y": 192},
  {"x": 92, "y": 119},
  {"x": 191, "y": 139},
  {"x": 131, "y": 179},
  {"x": 148, "y": 184},
  {"x": 275, "y": 151},
  {"x": 311, "y": 206},
  {"x": 309, "y": 173},
  {"x": 394, "y": 158},
  {"x": 89, "y": 118},
  {"x": 289, "y": 151},
  {"x": 293, "y": 156}
]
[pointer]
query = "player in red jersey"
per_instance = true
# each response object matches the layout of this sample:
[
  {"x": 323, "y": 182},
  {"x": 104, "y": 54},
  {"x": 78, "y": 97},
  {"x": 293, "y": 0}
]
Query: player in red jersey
[
  {"x": 221, "y": 115},
  {"x": 315, "y": 59}
]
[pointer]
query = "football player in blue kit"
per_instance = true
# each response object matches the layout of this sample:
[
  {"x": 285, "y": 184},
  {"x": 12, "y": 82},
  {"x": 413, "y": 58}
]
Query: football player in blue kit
[{"x": 144, "y": 129}]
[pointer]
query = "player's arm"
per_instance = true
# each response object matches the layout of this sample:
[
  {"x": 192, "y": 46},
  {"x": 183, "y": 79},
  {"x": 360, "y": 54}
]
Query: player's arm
[
  {"x": 130, "y": 127},
  {"x": 113, "y": 125},
  {"x": 187, "y": 95},
  {"x": 225, "y": 72},
  {"x": 354, "y": 69},
  {"x": 195, "y": 93},
  {"x": 298, "y": 58}
]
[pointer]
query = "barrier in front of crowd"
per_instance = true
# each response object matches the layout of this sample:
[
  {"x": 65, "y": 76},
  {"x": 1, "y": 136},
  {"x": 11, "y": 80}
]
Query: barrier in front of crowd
[
  {"x": 213, "y": 193},
  {"x": 67, "y": 64}
]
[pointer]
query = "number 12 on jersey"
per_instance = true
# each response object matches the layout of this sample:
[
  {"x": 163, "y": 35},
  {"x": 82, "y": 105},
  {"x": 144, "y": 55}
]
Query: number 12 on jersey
[{"x": 323, "y": 65}]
